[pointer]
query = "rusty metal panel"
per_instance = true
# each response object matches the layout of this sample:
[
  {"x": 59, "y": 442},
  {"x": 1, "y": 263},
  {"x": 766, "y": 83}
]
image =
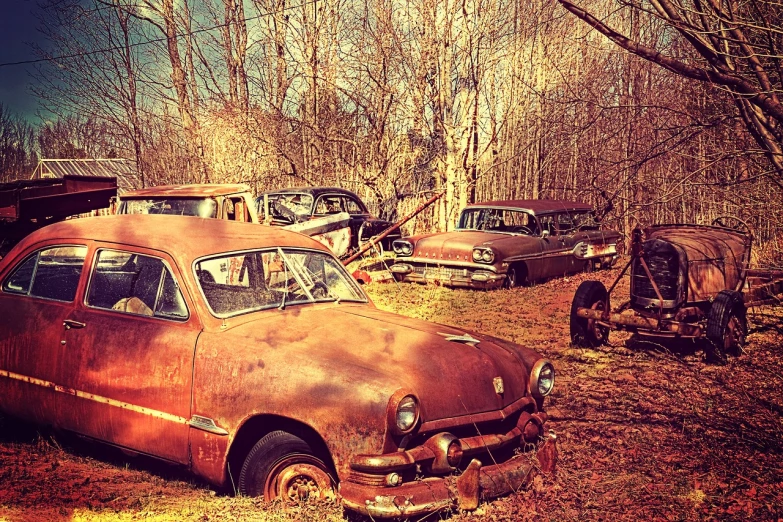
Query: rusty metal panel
[{"x": 716, "y": 258}]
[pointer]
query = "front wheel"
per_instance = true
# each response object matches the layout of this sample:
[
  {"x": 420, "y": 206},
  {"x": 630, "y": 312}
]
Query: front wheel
[
  {"x": 282, "y": 465},
  {"x": 587, "y": 333},
  {"x": 726, "y": 326},
  {"x": 516, "y": 276}
]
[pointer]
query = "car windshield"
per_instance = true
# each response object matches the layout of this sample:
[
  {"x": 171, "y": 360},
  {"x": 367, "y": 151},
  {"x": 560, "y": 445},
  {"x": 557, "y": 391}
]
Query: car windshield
[
  {"x": 290, "y": 208},
  {"x": 498, "y": 220},
  {"x": 239, "y": 283},
  {"x": 201, "y": 207}
]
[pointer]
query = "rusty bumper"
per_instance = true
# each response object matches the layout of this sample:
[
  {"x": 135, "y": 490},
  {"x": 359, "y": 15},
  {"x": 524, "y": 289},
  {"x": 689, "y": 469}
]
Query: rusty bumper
[
  {"x": 431, "y": 494},
  {"x": 460, "y": 277}
]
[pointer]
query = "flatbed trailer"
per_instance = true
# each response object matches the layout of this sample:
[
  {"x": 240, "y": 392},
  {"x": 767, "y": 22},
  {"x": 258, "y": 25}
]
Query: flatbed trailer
[{"x": 27, "y": 205}]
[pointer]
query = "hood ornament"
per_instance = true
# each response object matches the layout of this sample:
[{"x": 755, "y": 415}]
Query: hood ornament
[{"x": 464, "y": 338}]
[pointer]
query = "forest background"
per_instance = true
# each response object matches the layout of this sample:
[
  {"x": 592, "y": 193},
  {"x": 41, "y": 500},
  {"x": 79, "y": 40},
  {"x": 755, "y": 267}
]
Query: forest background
[{"x": 652, "y": 110}]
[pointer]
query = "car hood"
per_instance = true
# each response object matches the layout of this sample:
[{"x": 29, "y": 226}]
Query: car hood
[
  {"x": 461, "y": 242},
  {"x": 348, "y": 351}
]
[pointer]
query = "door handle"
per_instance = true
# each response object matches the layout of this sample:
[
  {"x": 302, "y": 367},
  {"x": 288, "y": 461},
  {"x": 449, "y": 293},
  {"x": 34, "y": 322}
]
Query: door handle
[{"x": 70, "y": 323}]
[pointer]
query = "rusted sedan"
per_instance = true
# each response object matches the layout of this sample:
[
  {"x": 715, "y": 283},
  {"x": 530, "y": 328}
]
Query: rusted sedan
[
  {"x": 249, "y": 355},
  {"x": 508, "y": 243}
]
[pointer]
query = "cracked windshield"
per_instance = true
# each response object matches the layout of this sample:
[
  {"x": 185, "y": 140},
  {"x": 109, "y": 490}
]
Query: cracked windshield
[
  {"x": 234, "y": 284},
  {"x": 201, "y": 207}
]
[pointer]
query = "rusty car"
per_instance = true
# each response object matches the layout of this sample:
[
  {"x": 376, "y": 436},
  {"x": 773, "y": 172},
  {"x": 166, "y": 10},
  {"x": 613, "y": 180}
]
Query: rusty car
[
  {"x": 295, "y": 207},
  {"x": 233, "y": 202},
  {"x": 249, "y": 355},
  {"x": 686, "y": 281},
  {"x": 508, "y": 243}
]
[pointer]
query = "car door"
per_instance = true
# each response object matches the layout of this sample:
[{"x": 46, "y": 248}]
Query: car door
[
  {"x": 359, "y": 216},
  {"x": 555, "y": 262},
  {"x": 571, "y": 236},
  {"x": 36, "y": 298},
  {"x": 129, "y": 354}
]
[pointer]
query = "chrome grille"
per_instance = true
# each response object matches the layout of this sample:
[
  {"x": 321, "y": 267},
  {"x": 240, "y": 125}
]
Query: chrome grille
[
  {"x": 366, "y": 479},
  {"x": 442, "y": 272},
  {"x": 665, "y": 271}
]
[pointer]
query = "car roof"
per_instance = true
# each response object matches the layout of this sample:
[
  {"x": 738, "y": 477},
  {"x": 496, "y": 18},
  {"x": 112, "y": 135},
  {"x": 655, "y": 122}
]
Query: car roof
[
  {"x": 315, "y": 191},
  {"x": 188, "y": 191},
  {"x": 536, "y": 206},
  {"x": 184, "y": 237}
]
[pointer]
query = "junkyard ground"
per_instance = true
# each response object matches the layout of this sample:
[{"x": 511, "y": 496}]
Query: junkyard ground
[{"x": 645, "y": 431}]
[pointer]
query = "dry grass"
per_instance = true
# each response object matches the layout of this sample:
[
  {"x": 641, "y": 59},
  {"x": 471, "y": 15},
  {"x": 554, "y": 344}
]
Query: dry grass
[{"x": 646, "y": 431}]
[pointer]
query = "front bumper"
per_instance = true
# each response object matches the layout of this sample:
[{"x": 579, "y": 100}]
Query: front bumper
[
  {"x": 464, "y": 492},
  {"x": 462, "y": 277}
]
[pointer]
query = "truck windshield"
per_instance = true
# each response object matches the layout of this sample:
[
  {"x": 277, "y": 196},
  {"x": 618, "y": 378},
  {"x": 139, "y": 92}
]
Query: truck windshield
[
  {"x": 200, "y": 207},
  {"x": 239, "y": 283}
]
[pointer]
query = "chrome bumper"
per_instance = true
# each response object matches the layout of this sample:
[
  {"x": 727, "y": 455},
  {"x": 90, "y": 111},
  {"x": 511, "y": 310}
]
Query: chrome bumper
[
  {"x": 471, "y": 278},
  {"x": 436, "y": 493}
]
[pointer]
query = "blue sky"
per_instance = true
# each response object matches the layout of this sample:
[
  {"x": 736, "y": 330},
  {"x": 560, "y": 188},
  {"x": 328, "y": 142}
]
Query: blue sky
[{"x": 17, "y": 29}]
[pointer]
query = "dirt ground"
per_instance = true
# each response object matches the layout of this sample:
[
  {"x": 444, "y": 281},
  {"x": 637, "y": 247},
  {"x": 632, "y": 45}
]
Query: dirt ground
[{"x": 645, "y": 431}]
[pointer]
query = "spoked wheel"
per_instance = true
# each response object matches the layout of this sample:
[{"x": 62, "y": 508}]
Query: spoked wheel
[
  {"x": 726, "y": 326},
  {"x": 587, "y": 333},
  {"x": 732, "y": 222},
  {"x": 282, "y": 465}
]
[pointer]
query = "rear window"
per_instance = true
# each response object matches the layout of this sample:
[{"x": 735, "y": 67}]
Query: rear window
[{"x": 51, "y": 273}]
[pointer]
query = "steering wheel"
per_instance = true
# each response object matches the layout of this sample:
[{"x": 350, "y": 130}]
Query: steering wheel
[
  {"x": 732, "y": 222},
  {"x": 524, "y": 230},
  {"x": 320, "y": 288}
]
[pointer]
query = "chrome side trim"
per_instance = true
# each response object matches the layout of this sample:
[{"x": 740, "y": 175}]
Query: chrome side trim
[
  {"x": 93, "y": 397},
  {"x": 206, "y": 424}
]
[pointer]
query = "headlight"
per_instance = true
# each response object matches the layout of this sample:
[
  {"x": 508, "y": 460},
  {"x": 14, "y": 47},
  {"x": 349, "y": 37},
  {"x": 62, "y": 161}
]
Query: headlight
[
  {"x": 402, "y": 247},
  {"x": 407, "y": 413},
  {"x": 483, "y": 255},
  {"x": 542, "y": 378}
]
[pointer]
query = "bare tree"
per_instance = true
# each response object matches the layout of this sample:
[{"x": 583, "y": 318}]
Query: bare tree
[
  {"x": 17, "y": 154},
  {"x": 733, "y": 45}
]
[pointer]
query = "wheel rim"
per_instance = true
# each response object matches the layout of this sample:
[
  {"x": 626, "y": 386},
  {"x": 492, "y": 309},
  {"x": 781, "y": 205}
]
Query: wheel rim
[
  {"x": 593, "y": 328},
  {"x": 735, "y": 334},
  {"x": 511, "y": 278},
  {"x": 298, "y": 478}
]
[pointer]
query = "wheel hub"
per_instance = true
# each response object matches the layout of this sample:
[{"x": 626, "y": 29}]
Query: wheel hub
[
  {"x": 592, "y": 324},
  {"x": 299, "y": 482}
]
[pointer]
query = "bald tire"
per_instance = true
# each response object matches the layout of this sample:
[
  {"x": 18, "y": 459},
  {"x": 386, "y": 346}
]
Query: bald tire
[
  {"x": 266, "y": 457},
  {"x": 726, "y": 326},
  {"x": 584, "y": 332}
]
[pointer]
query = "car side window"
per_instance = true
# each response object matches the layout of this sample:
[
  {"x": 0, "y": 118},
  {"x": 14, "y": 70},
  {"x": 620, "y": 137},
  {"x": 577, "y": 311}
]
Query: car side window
[
  {"x": 548, "y": 224},
  {"x": 51, "y": 273},
  {"x": 565, "y": 223},
  {"x": 352, "y": 207},
  {"x": 135, "y": 284},
  {"x": 328, "y": 205}
]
